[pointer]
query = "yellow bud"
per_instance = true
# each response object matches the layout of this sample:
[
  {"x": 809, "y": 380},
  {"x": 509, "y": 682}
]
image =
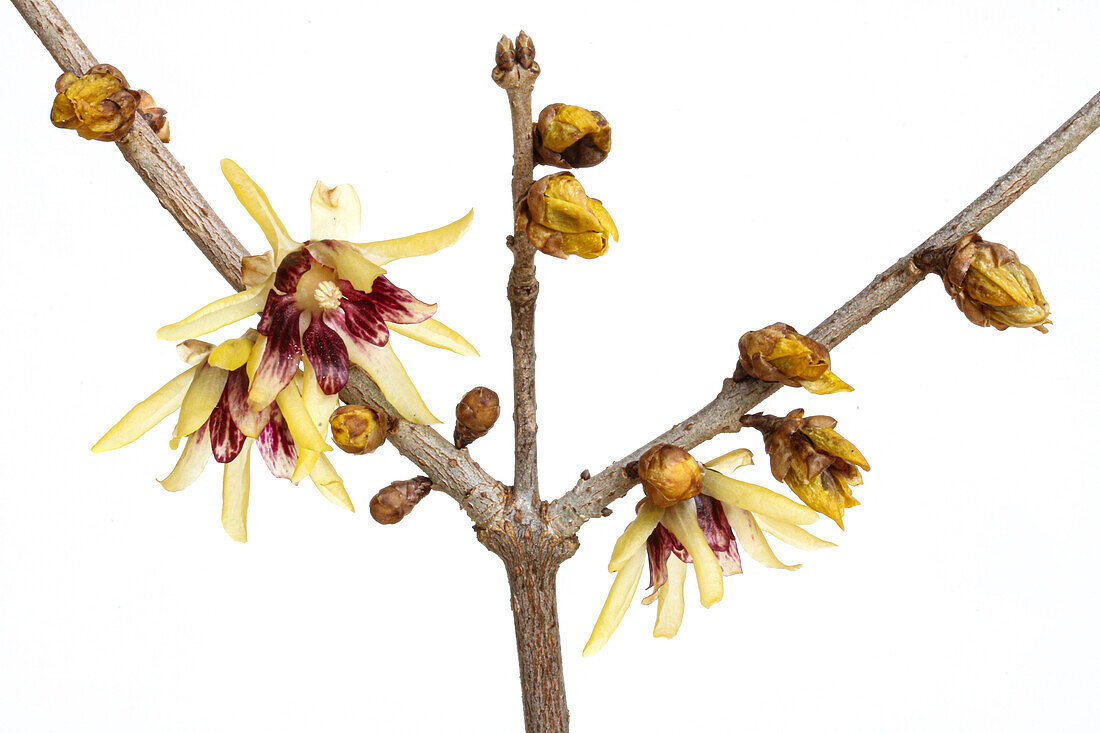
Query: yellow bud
[
  {"x": 669, "y": 475},
  {"x": 993, "y": 288},
  {"x": 358, "y": 429},
  {"x": 98, "y": 105},
  {"x": 567, "y": 136},
  {"x": 560, "y": 219},
  {"x": 781, "y": 354}
]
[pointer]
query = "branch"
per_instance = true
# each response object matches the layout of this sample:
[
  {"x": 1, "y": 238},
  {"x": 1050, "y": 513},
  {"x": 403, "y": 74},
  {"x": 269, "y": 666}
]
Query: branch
[
  {"x": 591, "y": 496},
  {"x": 451, "y": 470}
]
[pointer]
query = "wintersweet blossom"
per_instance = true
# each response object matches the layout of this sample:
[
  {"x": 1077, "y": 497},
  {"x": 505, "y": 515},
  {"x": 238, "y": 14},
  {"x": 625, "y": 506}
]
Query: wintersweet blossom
[
  {"x": 701, "y": 531},
  {"x": 217, "y": 421},
  {"x": 327, "y": 300}
]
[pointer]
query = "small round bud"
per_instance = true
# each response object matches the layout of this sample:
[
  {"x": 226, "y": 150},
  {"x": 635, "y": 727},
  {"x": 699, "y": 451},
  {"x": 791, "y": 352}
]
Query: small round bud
[
  {"x": 567, "y": 136},
  {"x": 669, "y": 475},
  {"x": 393, "y": 503},
  {"x": 358, "y": 429},
  {"x": 475, "y": 415},
  {"x": 561, "y": 220}
]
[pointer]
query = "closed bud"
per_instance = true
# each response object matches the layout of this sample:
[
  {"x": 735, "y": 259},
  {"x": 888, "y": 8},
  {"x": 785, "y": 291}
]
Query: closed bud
[
  {"x": 669, "y": 475},
  {"x": 525, "y": 51},
  {"x": 993, "y": 288},
  {"x": 561, "y": 220},
  {"x": 157, "y": 117},
  {"x": 393, "y": 503},
  {"x": 567, "y": 136},
  {"x": 98, "y": 105},
  {"x": 358, "y": 429},
  {"x": 506, "y": 54},
  {"x": 475, "y": 415},
  {"x": 781, "y": 354}
]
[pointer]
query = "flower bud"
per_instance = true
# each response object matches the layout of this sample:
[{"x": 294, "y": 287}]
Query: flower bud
[
  {"x": 358, "y": 429},
  {"x": 781, "y": 354},
  {"x": 561, "y": 220},
  {"x": 567, "y": 136},
  {"x": 669, "y": 475},
  {"x": 475, "y": 415},
  {"x": 525, "y": 51},
  {"x": 993, "y": 288},
  {"x": 393, "y": 503},
  {"x": 98, "y": 105},
  {"x": 154, "y": 115}
]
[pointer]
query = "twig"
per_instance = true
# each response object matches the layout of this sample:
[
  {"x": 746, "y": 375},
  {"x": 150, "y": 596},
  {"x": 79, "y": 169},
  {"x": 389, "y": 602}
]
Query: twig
[
  {"x": 451, "y": 470},
  {"x": 590, "y": 496}
]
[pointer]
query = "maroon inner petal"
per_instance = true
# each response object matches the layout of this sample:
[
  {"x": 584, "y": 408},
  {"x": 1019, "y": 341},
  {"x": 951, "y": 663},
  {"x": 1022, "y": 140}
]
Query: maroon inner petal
[
  {"x": 291, "y": 269},
  {"x": 359, "y": 321},
  {"x": 226, "y": 439},
  {"x": 250, "y": 421},
  {"x": 327, "y": 354},
  {"x": 719, "y": 535},
  {"x": 396, "y": 305},
  {"x": 277, "y": 447},
  {"x": 659, "y": 546},
  {"x": 283, "y": 348}
]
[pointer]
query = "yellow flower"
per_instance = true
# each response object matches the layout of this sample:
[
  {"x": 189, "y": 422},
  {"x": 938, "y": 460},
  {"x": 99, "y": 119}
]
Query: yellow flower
[
  {"x": 701, "y": 531},
  {"x": 216, "y": 420},
  {"x": 328, "y": 300}
]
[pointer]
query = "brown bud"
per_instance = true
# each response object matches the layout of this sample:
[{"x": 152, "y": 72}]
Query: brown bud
[
  {"x": 475, "y": 415},
  {"x": 525, "y": 51},
  {"x": 560, "y": 219},
  {"x": 154, "y": 115},
  {"x": 993, "y": 288},
  {"x": 506, "y": 54},
  {"x": 669, "y": 475},
  {"x": 358, "y": 429},
  {"x": 393, "y": 503},
  {"x": 567, "y": 136},
  {"x": 98, "y": 105},
  {"x": 781, "y": 354}
]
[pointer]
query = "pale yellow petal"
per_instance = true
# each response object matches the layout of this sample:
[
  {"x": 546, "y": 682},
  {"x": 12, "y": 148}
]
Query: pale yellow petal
[
  {"x": 756, "y": 499},
  {"x": 235, "y": 483},
  {"x": 827, "y": 383},
  {"x": 232, "y": 354},
  {"x": 299, "y": 421},
  {"x": 254, "y": 200},
  {"x": 618, "y": 600},
  {"x": 146, "y": 414},
  {"x": 387, "y": 371},
  {"x": 752, "y": 538},
  {"x": 335, "y": 213},
  {"x": 320, "y": 405},
  {"x": 348, "y": 263},
  {"x": 253, "y": 362},
  {"x": 732, "y": 461},
  {"x": 434, "y": 333},
  {"x": 680, "y": 519},
  {"x": 195, "y": 456},
  {"x": 201, "y": 399},
  {"x": 329, "y": 483},
  {"x": 193, "y": 351},
  {"x": 635, "y": 535},
  {"x": 416, "y": 245},
  {"x": 792, "y": 534},
  {"x": 218, "y": 314},
  {"x": 670, "y": 600},
  {"x": 307, "y": 461}
]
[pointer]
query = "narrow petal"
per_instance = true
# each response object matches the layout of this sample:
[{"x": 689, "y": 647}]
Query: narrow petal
[
  {"x": 752, "y": 538},
  {"x": 226, "y": 439},
  {"x": 235, "y": 482},
  {"x": 618, "y": 600},
  {"x": 195, "y": 456},
  {"x": 254, "y": 200},
  {"x": 416, "y": 245},
  {"x": 718, "y": 533},
  {"x": 756, "y": 499},
  {"x": 434, "y": 333},
  {"x": 329, "y": 483},
  {"x": 307, "y": 461},
  {"x": 250, "y": 422},
  {"x": 670, "y": 601},
  {"x": 792, "y": 534},
  {"x": 383, "y": 366},
  {"x": 827, "y": 383},
  {"x": 277, "y": 447},
  {"x": 232, "y": 354},
  {"x": 681, "y": 521},
  {"x": 201, "y": 399},
  {"x": 335, "y": 213},
  {"x": 730, "y": 462},
  {"x": 635, "y": 535},
  {"x": 360, "y": 321},
  {"x": 327, "y": 356},
  {"x": 218, "y": 314},
  {"x": 147, "y": 413},
  {"x": 349, "y": 264},
  {"x": 281, "y": 352},
  {"x": 299, "y": 421},
  {"x": 397, "y": 305},
  {"x": 319, "y": 405}
]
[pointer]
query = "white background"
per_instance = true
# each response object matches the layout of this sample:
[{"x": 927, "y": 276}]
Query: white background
[{"x": 768, "y": 160}]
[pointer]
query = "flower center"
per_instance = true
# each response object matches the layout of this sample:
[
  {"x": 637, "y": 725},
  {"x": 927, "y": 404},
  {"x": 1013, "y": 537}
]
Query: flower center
[
  {"x": 318, "y": 290},
  {"x": 328, "y": 295}
]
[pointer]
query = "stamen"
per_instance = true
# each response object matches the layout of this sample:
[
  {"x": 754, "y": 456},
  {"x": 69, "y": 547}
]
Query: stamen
[{"x": 328, "y": 295}]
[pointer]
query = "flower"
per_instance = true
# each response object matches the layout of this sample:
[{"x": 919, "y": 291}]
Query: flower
[
  {"x": 327, "y": 301},
  {"x": 815, "y": 461},
  {"x": 993, "y": 288},
  {"x": 781, "y": 354},
  {"x": 561, "y": 220},
  {"x": 567, "y": 136},
  {"x": 216, "y": 420},
  {"x": 701, "y": 531},
  {"x": 99, "y": 105}
]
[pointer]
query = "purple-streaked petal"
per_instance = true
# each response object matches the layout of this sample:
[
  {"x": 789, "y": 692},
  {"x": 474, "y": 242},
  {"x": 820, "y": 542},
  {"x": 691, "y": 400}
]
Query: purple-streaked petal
[
  {"x": 397, "y": 305},
  {"x": 277, "y": 447},
  {"x": 291, "y": 269},
  {"x": 360, "y": 322},
  {"x": 251, "y": 422},
  {"x": 659, "y": 547},
  {"x": 226, "y": 439},
  {"x": 272, "y": 308},
  {"x": 327, "y": 355},
  {"x": 716, "y": 530},
  {"x": 282, "y": 351}
]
